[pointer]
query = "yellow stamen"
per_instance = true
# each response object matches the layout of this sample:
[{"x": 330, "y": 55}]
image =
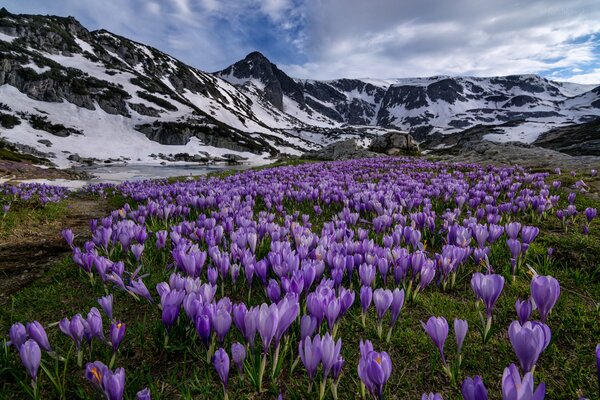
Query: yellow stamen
[{"x": 97, "y": 374}]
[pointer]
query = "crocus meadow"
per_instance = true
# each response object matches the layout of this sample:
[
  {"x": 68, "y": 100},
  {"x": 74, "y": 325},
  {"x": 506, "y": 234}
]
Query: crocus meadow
[{"x": 258, "y": 275}]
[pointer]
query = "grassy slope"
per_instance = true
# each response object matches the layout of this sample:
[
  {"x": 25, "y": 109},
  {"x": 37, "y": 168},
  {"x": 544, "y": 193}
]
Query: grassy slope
[{"x": 567, "y": 366}]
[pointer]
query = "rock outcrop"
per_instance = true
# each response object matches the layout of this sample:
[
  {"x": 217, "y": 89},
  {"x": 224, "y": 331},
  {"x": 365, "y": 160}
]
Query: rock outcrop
[
  {"x": 395, "y": 143},
  {"x": 343, "y": 150},
  {"x": 575, "y": 140}
]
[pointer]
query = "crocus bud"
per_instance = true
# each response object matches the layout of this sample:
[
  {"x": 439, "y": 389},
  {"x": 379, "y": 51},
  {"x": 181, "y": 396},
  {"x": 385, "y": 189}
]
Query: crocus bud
[
  {"x": 17, "y": 334},
  {"x": 143, "y": 394},
  {"x": 117, "y": 332},
  {"x": 460, "y": 330},
  {"x": 474, "y": 389},
  {"x": 31, "y": 356},
  {"x": 545, "y": 291},
  {"x": 113, "y": 384},
  {"x": 221, "y": 364},
  {"x": 238, "y": 354},
  {"x": 36, "y": 332}
]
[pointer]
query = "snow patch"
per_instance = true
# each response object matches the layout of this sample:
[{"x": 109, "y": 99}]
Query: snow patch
[{"x": 6, "y": 38}]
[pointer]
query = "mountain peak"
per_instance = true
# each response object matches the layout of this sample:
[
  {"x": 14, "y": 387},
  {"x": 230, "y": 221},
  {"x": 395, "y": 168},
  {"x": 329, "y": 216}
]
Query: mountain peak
[
  {"x": 256, "y": 67},
  {"x": 255, "y": 55}
]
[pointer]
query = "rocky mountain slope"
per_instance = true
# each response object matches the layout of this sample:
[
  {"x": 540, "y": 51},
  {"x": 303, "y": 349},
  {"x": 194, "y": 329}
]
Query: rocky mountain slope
[
  {"x": 73, "y": 95},
  {"x": 426, "y": 106}
]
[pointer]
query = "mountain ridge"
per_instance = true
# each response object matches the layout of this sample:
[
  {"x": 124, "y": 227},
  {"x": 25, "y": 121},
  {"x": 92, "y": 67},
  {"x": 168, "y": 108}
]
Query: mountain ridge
[{"x": 72, "y": 90}]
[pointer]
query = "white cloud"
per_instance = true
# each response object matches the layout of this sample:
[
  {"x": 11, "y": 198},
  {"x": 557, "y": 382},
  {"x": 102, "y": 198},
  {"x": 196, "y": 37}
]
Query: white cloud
[
  {"x": 324, "y": 39},
  {"x": 592, "y": 77},
  {"x": 153, "y": 8}
]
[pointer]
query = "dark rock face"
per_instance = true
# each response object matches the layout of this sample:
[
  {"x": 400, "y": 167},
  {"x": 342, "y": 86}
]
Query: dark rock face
[
  {"x": 277, "y": 83},
  {"x": 575, "y": 140},
  {"x": 174, "y": 133},
  {"x": 447, "y": 90},
  {"x": 520, "y": 101},
  {"x": 395, "y": 143}
]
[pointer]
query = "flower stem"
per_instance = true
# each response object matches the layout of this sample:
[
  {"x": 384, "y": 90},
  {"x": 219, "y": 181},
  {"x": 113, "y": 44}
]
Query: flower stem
[{"x": 261, "y": 371}]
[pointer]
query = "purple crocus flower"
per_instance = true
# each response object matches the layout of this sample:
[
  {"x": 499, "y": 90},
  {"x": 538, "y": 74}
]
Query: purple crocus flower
[
  {"x": 31, "y": 357},
  {"x": 221, "y": 364},
  {"x": 94, "y": 321},
  {"x": 437, "y": 329},
  {"x": 106, "y": 303},
  {"x": 598, "y": 363},
  {"x": 427, "y": 275},
  {"x": 94, "y": 372},
  {"x": 524, "y": 309},
  {"x": 330, "y": 353},
  {"x": 273, "y": 291},
  {"x": 308, "y": 325},
  {"x": 512, "y": 229},
  {"x": 487, "y": 288},
  {"x": 529, "y": 233},
  {"x": 68, "y": 236},
  {"x": 515, "y": 388},
  {"x": 383, "y": 300},
  {"x": 221, "y": 323},
  {"x": 268, "y": 319},
  {"x": 171, "y": 303},
  {"x": 36, "y": 331},
  {"x": 528, "y": 342},
  {"x": 515, "y": 247},
  {"x": 431, "y": 396},
  {"x": 17, "y": 334},
  {"x": 113, "y": 384},
  {"x": 238, "y": 355},
  {"x": 366, "y": 273},
  {"x": 474, "y": 389},
  {"x": 138, "y": 288},
  {"x": 332, "y": 312},
  {"x": 202, "y": 323},
  {"x": 366, "y": 296},
  {"x": 74, "y": 328},
  {"x": 309, "y": 351},
  {"x": 460, "y": 331},
  {"x": 590, "y": 214},
  {"x": 117, "y": 332},
  {"x": 137, "y": 250},
  {"x": 397, "y": 304},
  {"x": 143, "y": 394},
  {"x": 161, "y": 239},
  {"x": 375, "y": 369},
  {"x": 545, "y": 291}
]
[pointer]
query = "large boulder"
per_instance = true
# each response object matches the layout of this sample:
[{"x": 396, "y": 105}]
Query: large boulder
[
  {"x": 395, "y": 143},
  {"x": 343, "y": 150}
]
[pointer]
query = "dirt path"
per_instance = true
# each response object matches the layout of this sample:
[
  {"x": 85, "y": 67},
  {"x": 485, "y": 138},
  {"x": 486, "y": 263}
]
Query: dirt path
[{"x": 29, "y": 252}]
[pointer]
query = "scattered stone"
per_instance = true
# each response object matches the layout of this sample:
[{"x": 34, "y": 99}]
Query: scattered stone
[{"x": 45, "y": 142}]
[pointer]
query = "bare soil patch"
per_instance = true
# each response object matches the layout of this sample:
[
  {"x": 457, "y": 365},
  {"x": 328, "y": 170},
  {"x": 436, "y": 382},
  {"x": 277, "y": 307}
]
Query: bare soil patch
[{"x": 31, "y": 248}]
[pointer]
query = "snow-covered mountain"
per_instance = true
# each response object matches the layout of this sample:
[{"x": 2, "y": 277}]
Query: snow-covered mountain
[
  {"x": 422, "y": 105},
  {"x": 69, "y": 94}
]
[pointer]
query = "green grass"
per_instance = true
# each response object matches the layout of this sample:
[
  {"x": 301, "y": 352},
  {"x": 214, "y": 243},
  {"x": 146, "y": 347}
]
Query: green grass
[
  {"x": 180, "y": 370},
  {"x": 28, "y": 215}
]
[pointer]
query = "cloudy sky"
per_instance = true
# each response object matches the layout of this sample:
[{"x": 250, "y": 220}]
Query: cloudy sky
[{"x": 326, "y": 39}]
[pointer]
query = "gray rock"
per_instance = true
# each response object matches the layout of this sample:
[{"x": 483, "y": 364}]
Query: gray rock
[
  {"x": 576, "y": 140},
  {"x": 45, "y": 142},
  {"x": 395, "y": 143},
  {"x": 343, "y": 150}
]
